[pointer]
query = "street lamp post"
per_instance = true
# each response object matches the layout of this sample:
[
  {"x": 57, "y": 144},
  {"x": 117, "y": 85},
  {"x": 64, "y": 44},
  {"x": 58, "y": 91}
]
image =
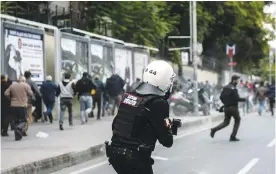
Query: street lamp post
[
  {"x": 192, "y": 48},
  {"x": 194, "y": 51}
]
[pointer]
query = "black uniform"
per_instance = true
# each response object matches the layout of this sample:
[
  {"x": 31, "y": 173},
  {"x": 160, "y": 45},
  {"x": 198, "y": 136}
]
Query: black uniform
[
  {"x": 140, "y": 122},
  {"x": 230, "y": 99}
]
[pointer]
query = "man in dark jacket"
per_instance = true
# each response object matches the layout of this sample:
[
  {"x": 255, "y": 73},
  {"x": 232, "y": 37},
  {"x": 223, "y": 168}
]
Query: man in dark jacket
[
  {"x": 271, "y": 97},
  {"x": 37, "y": 103},
  {"x": 5, "y": 105},
  {"x": 48, "y": 90},
  {"x": 115, "y": 87},
  {"x": 98, "y": 96},
  {"x": 230, "y": 98},
  {"x": 83, "y": 88}
]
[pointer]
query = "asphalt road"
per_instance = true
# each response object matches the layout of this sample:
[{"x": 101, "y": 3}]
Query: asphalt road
[{"x": 195, "y": 152}]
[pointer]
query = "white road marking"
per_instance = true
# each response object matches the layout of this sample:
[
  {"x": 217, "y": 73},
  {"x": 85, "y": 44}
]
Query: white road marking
[
  {"x": 191, "y": 133},
  {"x": 154, "y": 157},
  {"x": 159, "y": 158},
  {"x": 248, "y": 166},
  {"x": 89, "y": 168},
  {"x": 272, "y": 143}
]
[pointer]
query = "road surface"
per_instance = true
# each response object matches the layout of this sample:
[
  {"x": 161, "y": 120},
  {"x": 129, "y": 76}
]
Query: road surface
[{"x": 195, "y": 152}]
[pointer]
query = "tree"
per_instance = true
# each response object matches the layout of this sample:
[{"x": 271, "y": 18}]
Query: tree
[{"x": 235, "y": 23}]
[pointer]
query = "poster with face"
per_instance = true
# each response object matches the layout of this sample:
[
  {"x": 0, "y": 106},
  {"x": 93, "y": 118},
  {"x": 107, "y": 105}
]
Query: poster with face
[
  {"x": 24, "y": 51},
  {"x": 74, "y": 57}
]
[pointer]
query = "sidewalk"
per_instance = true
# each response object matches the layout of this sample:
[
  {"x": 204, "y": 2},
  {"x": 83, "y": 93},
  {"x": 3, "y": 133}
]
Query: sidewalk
[{"x": 73, "y": 145}]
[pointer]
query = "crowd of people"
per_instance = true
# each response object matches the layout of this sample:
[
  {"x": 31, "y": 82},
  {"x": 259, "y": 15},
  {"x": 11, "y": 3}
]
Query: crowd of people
[
  {"x": 260, "y": 93},
  {"x": 19, "y": 98},
  {"x": 21, "y": 101}
]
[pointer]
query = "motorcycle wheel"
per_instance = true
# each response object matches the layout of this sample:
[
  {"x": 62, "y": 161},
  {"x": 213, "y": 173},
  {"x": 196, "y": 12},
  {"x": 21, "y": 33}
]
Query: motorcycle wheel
[{"x": 180, "y": 110}]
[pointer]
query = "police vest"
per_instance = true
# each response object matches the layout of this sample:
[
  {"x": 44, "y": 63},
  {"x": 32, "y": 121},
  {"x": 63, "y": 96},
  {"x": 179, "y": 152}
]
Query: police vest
[{"x": 132, "y": 117}]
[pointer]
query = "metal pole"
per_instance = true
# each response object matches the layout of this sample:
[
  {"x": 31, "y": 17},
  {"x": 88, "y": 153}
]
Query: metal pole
[
  {"x": 89, "y": 56},
  {"x": 57, "y": 36},
  {"x": 194, "y": 50},
  {"x": 231, "y": 67}
]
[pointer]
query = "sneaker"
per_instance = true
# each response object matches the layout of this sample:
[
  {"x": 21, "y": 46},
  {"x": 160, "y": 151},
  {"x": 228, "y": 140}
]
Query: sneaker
[
  {"x": 71, "y": 124},
  {"x": 18, "y": 135},
  {"x": 234, "y": 139},
  {"x": 61, "y": 126},
  {"x": 4, "y": 134},
  {"x": 45, "y": 114},
  {"x": 212, "y": 133}
]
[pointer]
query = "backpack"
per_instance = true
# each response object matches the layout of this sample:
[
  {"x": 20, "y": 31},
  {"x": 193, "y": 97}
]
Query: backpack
[
  {"x": 98, "y": 90},
  {"x": 261, "y": 94},
  {"x": 113, "y": 85}
]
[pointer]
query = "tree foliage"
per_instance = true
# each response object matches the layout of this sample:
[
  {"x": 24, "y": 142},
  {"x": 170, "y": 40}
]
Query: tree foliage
[{"x": 218, "y": 23}]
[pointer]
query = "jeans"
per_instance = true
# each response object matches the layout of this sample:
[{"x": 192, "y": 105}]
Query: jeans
[
  {"x": 261, "y": 106},
  {"x": 66, "y": 103},
  {"x": 115, "y": 103},
  {"x": 86, "y": 102},
  {"x": 49, "y": 106}
]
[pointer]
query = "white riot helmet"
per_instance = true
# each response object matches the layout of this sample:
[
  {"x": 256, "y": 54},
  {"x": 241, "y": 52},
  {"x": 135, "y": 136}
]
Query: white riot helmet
[{"x": 159, "y": 74}]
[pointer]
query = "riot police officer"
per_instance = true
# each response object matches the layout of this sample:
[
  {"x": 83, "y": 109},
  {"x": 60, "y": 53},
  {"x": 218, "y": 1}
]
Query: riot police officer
[
  {"x": 142, "y": 119},
  {"x": 230, "y": 98}
]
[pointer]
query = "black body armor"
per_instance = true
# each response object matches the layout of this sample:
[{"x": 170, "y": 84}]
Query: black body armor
[{"x": 132, "y": 125}]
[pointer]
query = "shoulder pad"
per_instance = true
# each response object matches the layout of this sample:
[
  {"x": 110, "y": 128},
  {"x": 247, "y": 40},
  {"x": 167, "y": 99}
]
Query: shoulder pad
[{"x": 147, "y": 89}]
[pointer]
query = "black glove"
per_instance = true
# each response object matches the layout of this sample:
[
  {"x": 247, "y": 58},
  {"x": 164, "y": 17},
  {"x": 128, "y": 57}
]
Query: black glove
[
  {"x": 167, "y": 95},
  {"x": 242, "y": 99}
]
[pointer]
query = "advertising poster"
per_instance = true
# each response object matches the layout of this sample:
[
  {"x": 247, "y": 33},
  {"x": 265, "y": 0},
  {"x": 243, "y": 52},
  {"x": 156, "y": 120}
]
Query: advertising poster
[
  {"x": 74, "y": 57},
  {"x": 109, "y": 67},
  {"x": 24, "y": 51},
  {"x": 129, "y": 70},
  {"x": 123, "y": 65},
  {"x": 97, "y": 60},
  {"x": 140, "y": 63},
  {"x": 121, "y": 62}
]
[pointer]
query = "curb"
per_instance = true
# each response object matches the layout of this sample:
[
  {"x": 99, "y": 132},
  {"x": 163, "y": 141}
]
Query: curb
[{"x": 57, "y": 163}]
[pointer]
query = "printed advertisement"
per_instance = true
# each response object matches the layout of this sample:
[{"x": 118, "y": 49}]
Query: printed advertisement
[
  {"x": 97, "y": 60},
  {"x": 23, "y": 52},
  {"x": 140, "y": 62},
  {"x": 74, "y": 57},
  {"x": 123, "y": 65}
]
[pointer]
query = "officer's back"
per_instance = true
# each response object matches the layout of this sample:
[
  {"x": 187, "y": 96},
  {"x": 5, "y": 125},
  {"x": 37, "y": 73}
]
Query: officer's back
[{"x": 140, "y": 121}]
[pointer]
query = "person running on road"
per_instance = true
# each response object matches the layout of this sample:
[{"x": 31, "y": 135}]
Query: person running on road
[
  {"x": 271, "y": 97},
  {"x": 230, "y": 98},
  {"x": 66, "y": 92},
  {"x": 18, "y": 93}
]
